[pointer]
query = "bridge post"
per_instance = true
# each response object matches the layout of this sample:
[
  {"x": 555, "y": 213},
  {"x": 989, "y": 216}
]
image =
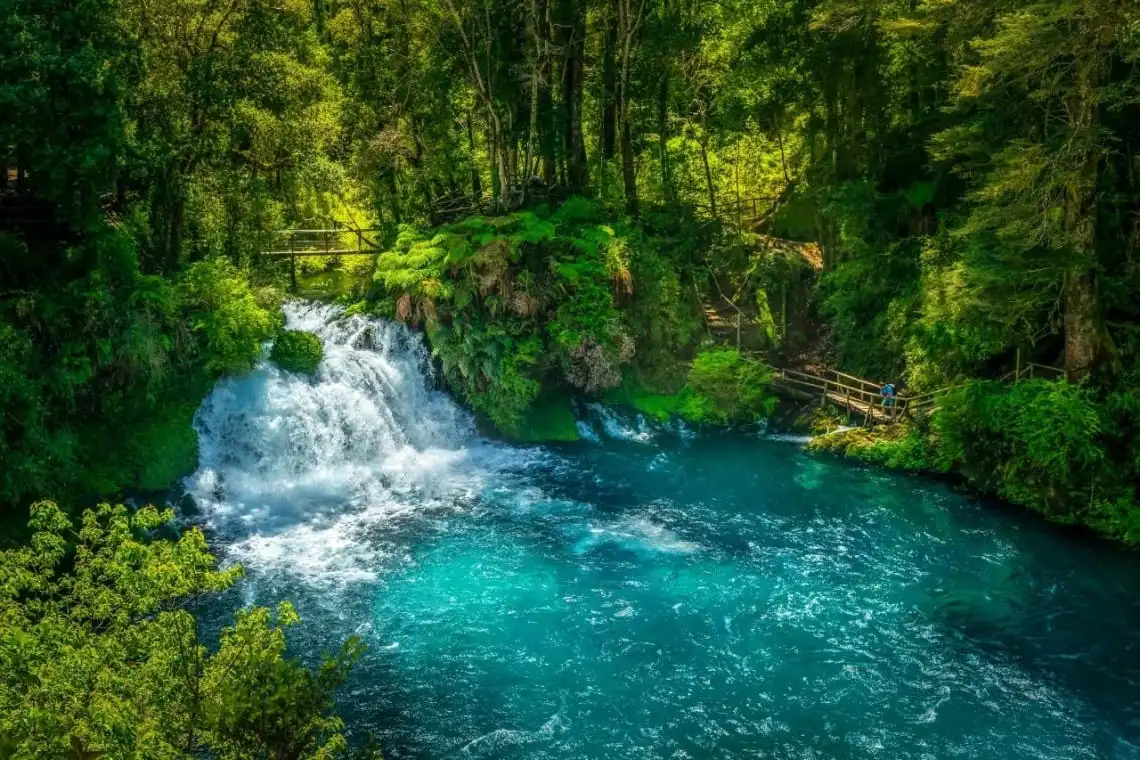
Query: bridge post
[{"x": 293, "y": 261}]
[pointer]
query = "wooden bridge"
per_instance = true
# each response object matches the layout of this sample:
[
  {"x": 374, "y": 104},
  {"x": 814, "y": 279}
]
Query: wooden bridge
[
  {"x": 858, "y": 396},
  {"x": 295, "y": 244},
  {"x": 864, "y": 398}
]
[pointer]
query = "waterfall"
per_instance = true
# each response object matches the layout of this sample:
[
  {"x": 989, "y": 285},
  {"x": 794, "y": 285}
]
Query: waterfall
[
  {"x": 311, "y": 476},
  {"x": 294, "y": 470}
]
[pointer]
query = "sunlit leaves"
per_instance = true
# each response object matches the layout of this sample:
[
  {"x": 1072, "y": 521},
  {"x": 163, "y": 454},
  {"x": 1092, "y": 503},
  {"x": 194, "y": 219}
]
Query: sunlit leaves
[{"x": 100, "y": 655}]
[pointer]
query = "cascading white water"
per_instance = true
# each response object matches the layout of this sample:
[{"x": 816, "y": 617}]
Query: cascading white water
[
  {"x": 292, "y": 469},
  {"x": 299, "y": 474}
]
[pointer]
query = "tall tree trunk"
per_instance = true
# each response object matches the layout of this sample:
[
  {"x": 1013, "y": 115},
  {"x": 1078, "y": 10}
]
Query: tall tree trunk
[
  {"x": 418, "y": 176},
  {"x": 532, "y": 127},
  {"x": 831, "y": 99},
  {"x": 1082, "y": 322},
  {"x": 703, "y": 142},
  {"x": 538, "y": 26},
  {"x": 628, "y": 171},
  {"x": 609, "y": 85},
  {"x": 576, "y": 172},
  {"x": 548, "y": 131},
  {"x": 394, "y": 196},
  {"x": 476, "y": 182},
  {"x": 667, "y": 189},
  {"x": 476, "y": 57},
  {"x": 1082, "y": 332},
  {"x": 629, "y": 20},
  {"x": 177, "y": 222},
  {"x": 167, "y": 216}
]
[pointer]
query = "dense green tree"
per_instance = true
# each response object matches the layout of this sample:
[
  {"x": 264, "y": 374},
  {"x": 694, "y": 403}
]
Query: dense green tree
[{"x": 102, "y": 657}]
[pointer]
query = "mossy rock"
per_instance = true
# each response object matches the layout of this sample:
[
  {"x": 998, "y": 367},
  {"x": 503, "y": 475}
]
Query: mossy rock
[
  {"x": 657, "y": 406},
  {"x": 146, "y": 451},
  {"x": 297, "y": 351},
  {"x": 548, "y": 420},
  {"x": 724, "y": 388}
]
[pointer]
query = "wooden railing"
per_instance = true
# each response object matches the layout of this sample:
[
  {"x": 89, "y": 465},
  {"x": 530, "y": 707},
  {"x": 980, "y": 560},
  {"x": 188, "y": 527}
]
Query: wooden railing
[
  {"x": 862, "y": 396},
  {"x": 1033, "y": 370},
  {"x": 855, "y": 394},
  {"x": 452, "y": 207},
  {"x": 296, "y": 244},
  {"x": 739, "y": 209}
]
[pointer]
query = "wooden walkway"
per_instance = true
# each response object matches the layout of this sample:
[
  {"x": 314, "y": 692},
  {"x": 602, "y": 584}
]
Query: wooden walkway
[
  {"x": 863, "y": 398},
  {"x": 295, "y": 244},
  {"x": 856, "y": 395}
]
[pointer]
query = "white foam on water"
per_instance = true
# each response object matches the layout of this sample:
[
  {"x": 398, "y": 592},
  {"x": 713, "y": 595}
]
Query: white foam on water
[
  {"x": 788, "y": 438},
  {"x": 640, "y": 534},
  {"x": 620, "y": 429},
  {"x": 298, "y": 472},
  {"x": 586, "y": 432}
]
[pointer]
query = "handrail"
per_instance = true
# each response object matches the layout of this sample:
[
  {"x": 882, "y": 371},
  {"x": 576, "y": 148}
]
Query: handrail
[
  {"x": 329, "y": 252},
  {"x": 866, "y": 396},
  {"x": 306, "y": 243},
  {"x": 873, "y": 384}
]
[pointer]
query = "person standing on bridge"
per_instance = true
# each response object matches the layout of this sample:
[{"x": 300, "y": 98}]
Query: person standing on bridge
[{"x": 889, "y": 395}]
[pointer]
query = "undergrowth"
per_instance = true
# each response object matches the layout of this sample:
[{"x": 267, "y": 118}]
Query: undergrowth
[
  {"x": 723, "y": 386},
  {"x": 538, "y": 302},
  {"x": 1042, "y": 444}
]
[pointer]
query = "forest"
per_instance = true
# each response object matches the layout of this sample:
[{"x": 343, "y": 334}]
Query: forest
[{"x": 572, "y": 198}]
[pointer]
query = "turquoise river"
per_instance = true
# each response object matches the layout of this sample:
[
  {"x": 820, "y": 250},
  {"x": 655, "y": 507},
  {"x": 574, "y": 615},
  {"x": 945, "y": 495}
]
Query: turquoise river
[{"x": 647, "y": 592}]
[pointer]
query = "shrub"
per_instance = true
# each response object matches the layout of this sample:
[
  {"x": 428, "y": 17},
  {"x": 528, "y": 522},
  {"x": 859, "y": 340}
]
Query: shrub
[
  {"x": 228, "y": 319},
  {"x": 723, "y": 387},
  {"x": 96, "y": 621},
  {"x": 734, "y": 387},
  {"x": 1035, "y": 443},
  {"x": 297, "y": 351},
  {"x": 899, "y": 447}
]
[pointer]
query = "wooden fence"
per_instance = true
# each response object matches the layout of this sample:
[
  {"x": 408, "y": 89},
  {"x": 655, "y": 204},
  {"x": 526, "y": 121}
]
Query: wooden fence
[
  {"x": 865, "y": 397},
  {"x": 855, "y": 394},
  {"x": 450, "y": 208},
  {"x": 742, "y": 211},
  {"x": 296, "y": 244}
]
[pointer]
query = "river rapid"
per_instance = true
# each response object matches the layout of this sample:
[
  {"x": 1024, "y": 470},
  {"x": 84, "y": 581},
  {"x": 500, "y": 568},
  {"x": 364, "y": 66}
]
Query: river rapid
[{"x": 647, "y": 592}]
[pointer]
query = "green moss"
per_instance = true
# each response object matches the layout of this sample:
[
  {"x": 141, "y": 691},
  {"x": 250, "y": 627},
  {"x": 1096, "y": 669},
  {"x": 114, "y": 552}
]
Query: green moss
[
  {"x": 148, "y": 451},
  {"x": 723, "y": 387},
  {"x": 658, "y": 406},
  {"x": 167, "y": 451},
  {"x": 899, "y": 447},
  {"x": 297, "y": 351},
  {"x": 551, "y": 419}
]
